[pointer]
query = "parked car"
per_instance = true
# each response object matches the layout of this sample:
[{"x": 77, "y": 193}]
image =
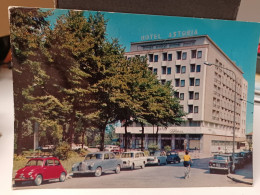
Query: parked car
[
  {"x": 247, "y": 156},
  {"x": 221, "y": 162},
  {"x": 239, "y": 160},
  {"x": 157, "y": 158},
  {"x": 173, "y": 157},
  {"x": 78, "y": 146},
  {"x": 40, "y": 169},
  {"x": 133, "y": 159},
  {"x": 97, "y": 163},
  {"x": 111, "y": 148}
]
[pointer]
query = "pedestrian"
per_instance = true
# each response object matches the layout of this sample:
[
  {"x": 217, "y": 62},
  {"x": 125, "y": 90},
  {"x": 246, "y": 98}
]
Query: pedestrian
[{"x": 187, "y": 162}]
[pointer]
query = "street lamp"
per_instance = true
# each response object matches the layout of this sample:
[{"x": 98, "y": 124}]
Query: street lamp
[{"x": 234, "y": 117}]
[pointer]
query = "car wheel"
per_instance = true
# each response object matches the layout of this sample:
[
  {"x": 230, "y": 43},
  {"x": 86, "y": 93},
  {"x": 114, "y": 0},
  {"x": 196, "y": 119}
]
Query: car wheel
[
  {"x": 98, "y": 172},
  {"x": 159, "y": 163},
  {"x": 211, "y": 171},
  {"x": 18, "y": 183},
  {"x": 62, "y": 177},
  {"x": 166, "y": 163},
  {"x": 132, "y": 166},
  {"x": 38, "y": 180},
  {"x": 117, "y": 169},
  {"x": 143, "y": 165}
]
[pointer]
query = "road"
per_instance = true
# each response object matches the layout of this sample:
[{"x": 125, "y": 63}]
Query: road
[{"x": 167, "y": 176}]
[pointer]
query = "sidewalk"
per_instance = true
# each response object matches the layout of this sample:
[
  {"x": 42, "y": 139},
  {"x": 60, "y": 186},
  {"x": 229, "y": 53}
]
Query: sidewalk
[{"x": 244, "y": 175}]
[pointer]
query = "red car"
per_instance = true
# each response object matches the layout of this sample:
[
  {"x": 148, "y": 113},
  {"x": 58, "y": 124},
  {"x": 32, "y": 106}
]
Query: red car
[{"x": 40, "y": 169}]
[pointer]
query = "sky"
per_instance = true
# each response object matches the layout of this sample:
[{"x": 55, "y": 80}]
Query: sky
[{"x": 239, "y": 40}]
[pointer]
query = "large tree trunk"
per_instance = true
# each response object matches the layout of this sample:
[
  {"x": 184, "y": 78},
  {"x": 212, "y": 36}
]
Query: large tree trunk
[
  {"x": 126, "y": 142},
  {"x": 82, "y": 140},
  {"x": 142, "y": 137},
  {"x": 19, "y": 137},
  {"x": 157, "y": 130},
  {"x": 102, "y": 134}
]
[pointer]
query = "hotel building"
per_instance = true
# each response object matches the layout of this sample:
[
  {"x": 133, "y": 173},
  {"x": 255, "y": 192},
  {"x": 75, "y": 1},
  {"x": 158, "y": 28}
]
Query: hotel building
[{"x": 206, "y": 94}]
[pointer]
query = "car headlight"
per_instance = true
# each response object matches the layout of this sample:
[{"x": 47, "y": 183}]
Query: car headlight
[{"x": 30, "y": 173}]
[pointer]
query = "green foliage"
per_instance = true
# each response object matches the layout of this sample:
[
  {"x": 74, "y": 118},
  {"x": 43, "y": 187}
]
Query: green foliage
[
  {"x": 167, "y": 148},
  {"x": 153, "y": 147},
  {"x": 62, "y": 151}
]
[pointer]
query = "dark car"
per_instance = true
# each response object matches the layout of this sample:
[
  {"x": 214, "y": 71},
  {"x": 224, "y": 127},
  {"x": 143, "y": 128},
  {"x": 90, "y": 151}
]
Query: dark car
[
  {"x": 222, "y": 162},
  {"x": 97, "y": 163},
  {"x": 40, "y": 169},
  {"x": 173, "y": 157}
]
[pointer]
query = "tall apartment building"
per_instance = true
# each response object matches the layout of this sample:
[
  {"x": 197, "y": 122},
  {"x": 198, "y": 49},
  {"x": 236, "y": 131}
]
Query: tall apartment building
[{"x": 206, "y": 93}]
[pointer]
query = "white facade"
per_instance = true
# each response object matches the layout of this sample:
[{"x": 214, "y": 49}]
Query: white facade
[{"x": 206, "y": 93}]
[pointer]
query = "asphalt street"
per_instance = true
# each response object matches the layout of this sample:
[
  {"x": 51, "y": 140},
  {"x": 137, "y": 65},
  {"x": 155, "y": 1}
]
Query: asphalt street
[{"x": 171, "y": 175}]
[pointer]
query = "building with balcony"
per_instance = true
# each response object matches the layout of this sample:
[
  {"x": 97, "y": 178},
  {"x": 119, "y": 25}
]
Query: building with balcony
[{"x": 206, "y": 93}]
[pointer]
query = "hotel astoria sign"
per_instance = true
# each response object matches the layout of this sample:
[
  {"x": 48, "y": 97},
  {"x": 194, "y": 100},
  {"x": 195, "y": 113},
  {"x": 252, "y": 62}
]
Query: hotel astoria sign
[{"x": 174, "y": 34}]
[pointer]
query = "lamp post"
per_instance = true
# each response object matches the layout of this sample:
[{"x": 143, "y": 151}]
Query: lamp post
[{"x": 234, "y": 117}]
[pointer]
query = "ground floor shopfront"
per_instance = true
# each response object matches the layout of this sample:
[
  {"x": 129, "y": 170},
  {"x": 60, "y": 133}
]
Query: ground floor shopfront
[{"x": 192, "y": 140}]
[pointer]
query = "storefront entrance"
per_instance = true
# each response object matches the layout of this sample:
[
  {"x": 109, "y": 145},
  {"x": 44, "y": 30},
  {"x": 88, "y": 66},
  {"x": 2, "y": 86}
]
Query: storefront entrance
[
  {"x": 165, "y": 143},
  {"x": 179, "y": 144}
]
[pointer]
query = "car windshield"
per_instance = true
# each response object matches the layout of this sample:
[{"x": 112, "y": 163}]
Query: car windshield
[
  {"x": 127, "y": 155},
  {"x": 220, "y": 157},
  {"x": 35, "y": 163},
  {"x": 93, "y": 156}
]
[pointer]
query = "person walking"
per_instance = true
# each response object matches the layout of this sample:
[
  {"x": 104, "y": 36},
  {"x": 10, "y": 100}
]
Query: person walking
[{"x": 187, "y": 162}]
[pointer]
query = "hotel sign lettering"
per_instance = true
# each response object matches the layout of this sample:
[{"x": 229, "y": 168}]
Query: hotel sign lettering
[{"x": 174, "y": 34}]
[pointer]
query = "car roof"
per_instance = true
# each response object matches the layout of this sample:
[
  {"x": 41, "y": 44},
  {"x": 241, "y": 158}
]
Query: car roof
[
  {"x": 101, "y": 152},
  {"x": 44, "y": 158},
  {"x": 133, "y": 152},
  {"x": 223, "y": 155}
]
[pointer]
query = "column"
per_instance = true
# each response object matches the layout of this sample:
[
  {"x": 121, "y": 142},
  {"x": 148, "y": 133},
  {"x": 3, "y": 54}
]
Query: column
[
  {"x": 173, "y": 142},
  {"x": 146, "y": 141},
  {"x": 133, "y": 141},
  {"x": 188, "y": 142},
  {"x": 160, "y": 141}
]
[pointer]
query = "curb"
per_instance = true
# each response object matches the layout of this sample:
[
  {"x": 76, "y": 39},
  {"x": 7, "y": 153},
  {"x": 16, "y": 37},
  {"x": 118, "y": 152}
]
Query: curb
[{"x": 239, "y": 180}]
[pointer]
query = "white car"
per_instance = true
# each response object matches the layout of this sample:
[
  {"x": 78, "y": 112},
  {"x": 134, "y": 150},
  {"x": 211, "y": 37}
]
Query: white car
[
  {"x": 157, "y": 158},
  {"x": 133, "y": 159}
]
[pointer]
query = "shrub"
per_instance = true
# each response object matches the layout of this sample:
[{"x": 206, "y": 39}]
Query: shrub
[
  {"x": 167, "y": 148},
  {"x": 153, "y": 147},
  {"x": 62, "y": 151}
]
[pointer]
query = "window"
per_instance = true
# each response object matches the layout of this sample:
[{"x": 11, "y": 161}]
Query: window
[
  {"x": 155, "y": 58},
  {"x": 169, "y": 57},
  {"x": 196, "y": 109},
  {"x": 150, "y": 57},
  {"x": 155, "y": 70},
  {"x": 182, "y": 83},
  {"x": 106, "y": 156},
  {"x": 192, "y": 68},
  {"x": 197, "y": 96},
  {"x": 56, "y": 162},
  {"x": 163, "y": 69},
  {"x": 198, "y": 68},
  {"x": 177, "y": 82},
  {"x": 163, "y": 81},
  {"x": 176, "y": 94},
  {"x": 191, "y": 81},
  {"x": 181, "y": 96},
  {"x": 197, "y": 82},
  {"x": 164, "y": 56},
  {"x": 169, "y": 70},
  {"x": 183, "y": 69},
  {"x": 178, "y": 68},
  {"x": 49, "y": 162},
  {"x": 184, "y": 55},
  {"x": 150, "y": 68},
  {"x": 199, "y": 54},
  {"x": 193, "y": 53},
  {"x": 191, "y": 95},
  {"x": 179, "y": 55},
  {"x": 190, "y": 108},
  {"x": 112, "y": 156}
]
